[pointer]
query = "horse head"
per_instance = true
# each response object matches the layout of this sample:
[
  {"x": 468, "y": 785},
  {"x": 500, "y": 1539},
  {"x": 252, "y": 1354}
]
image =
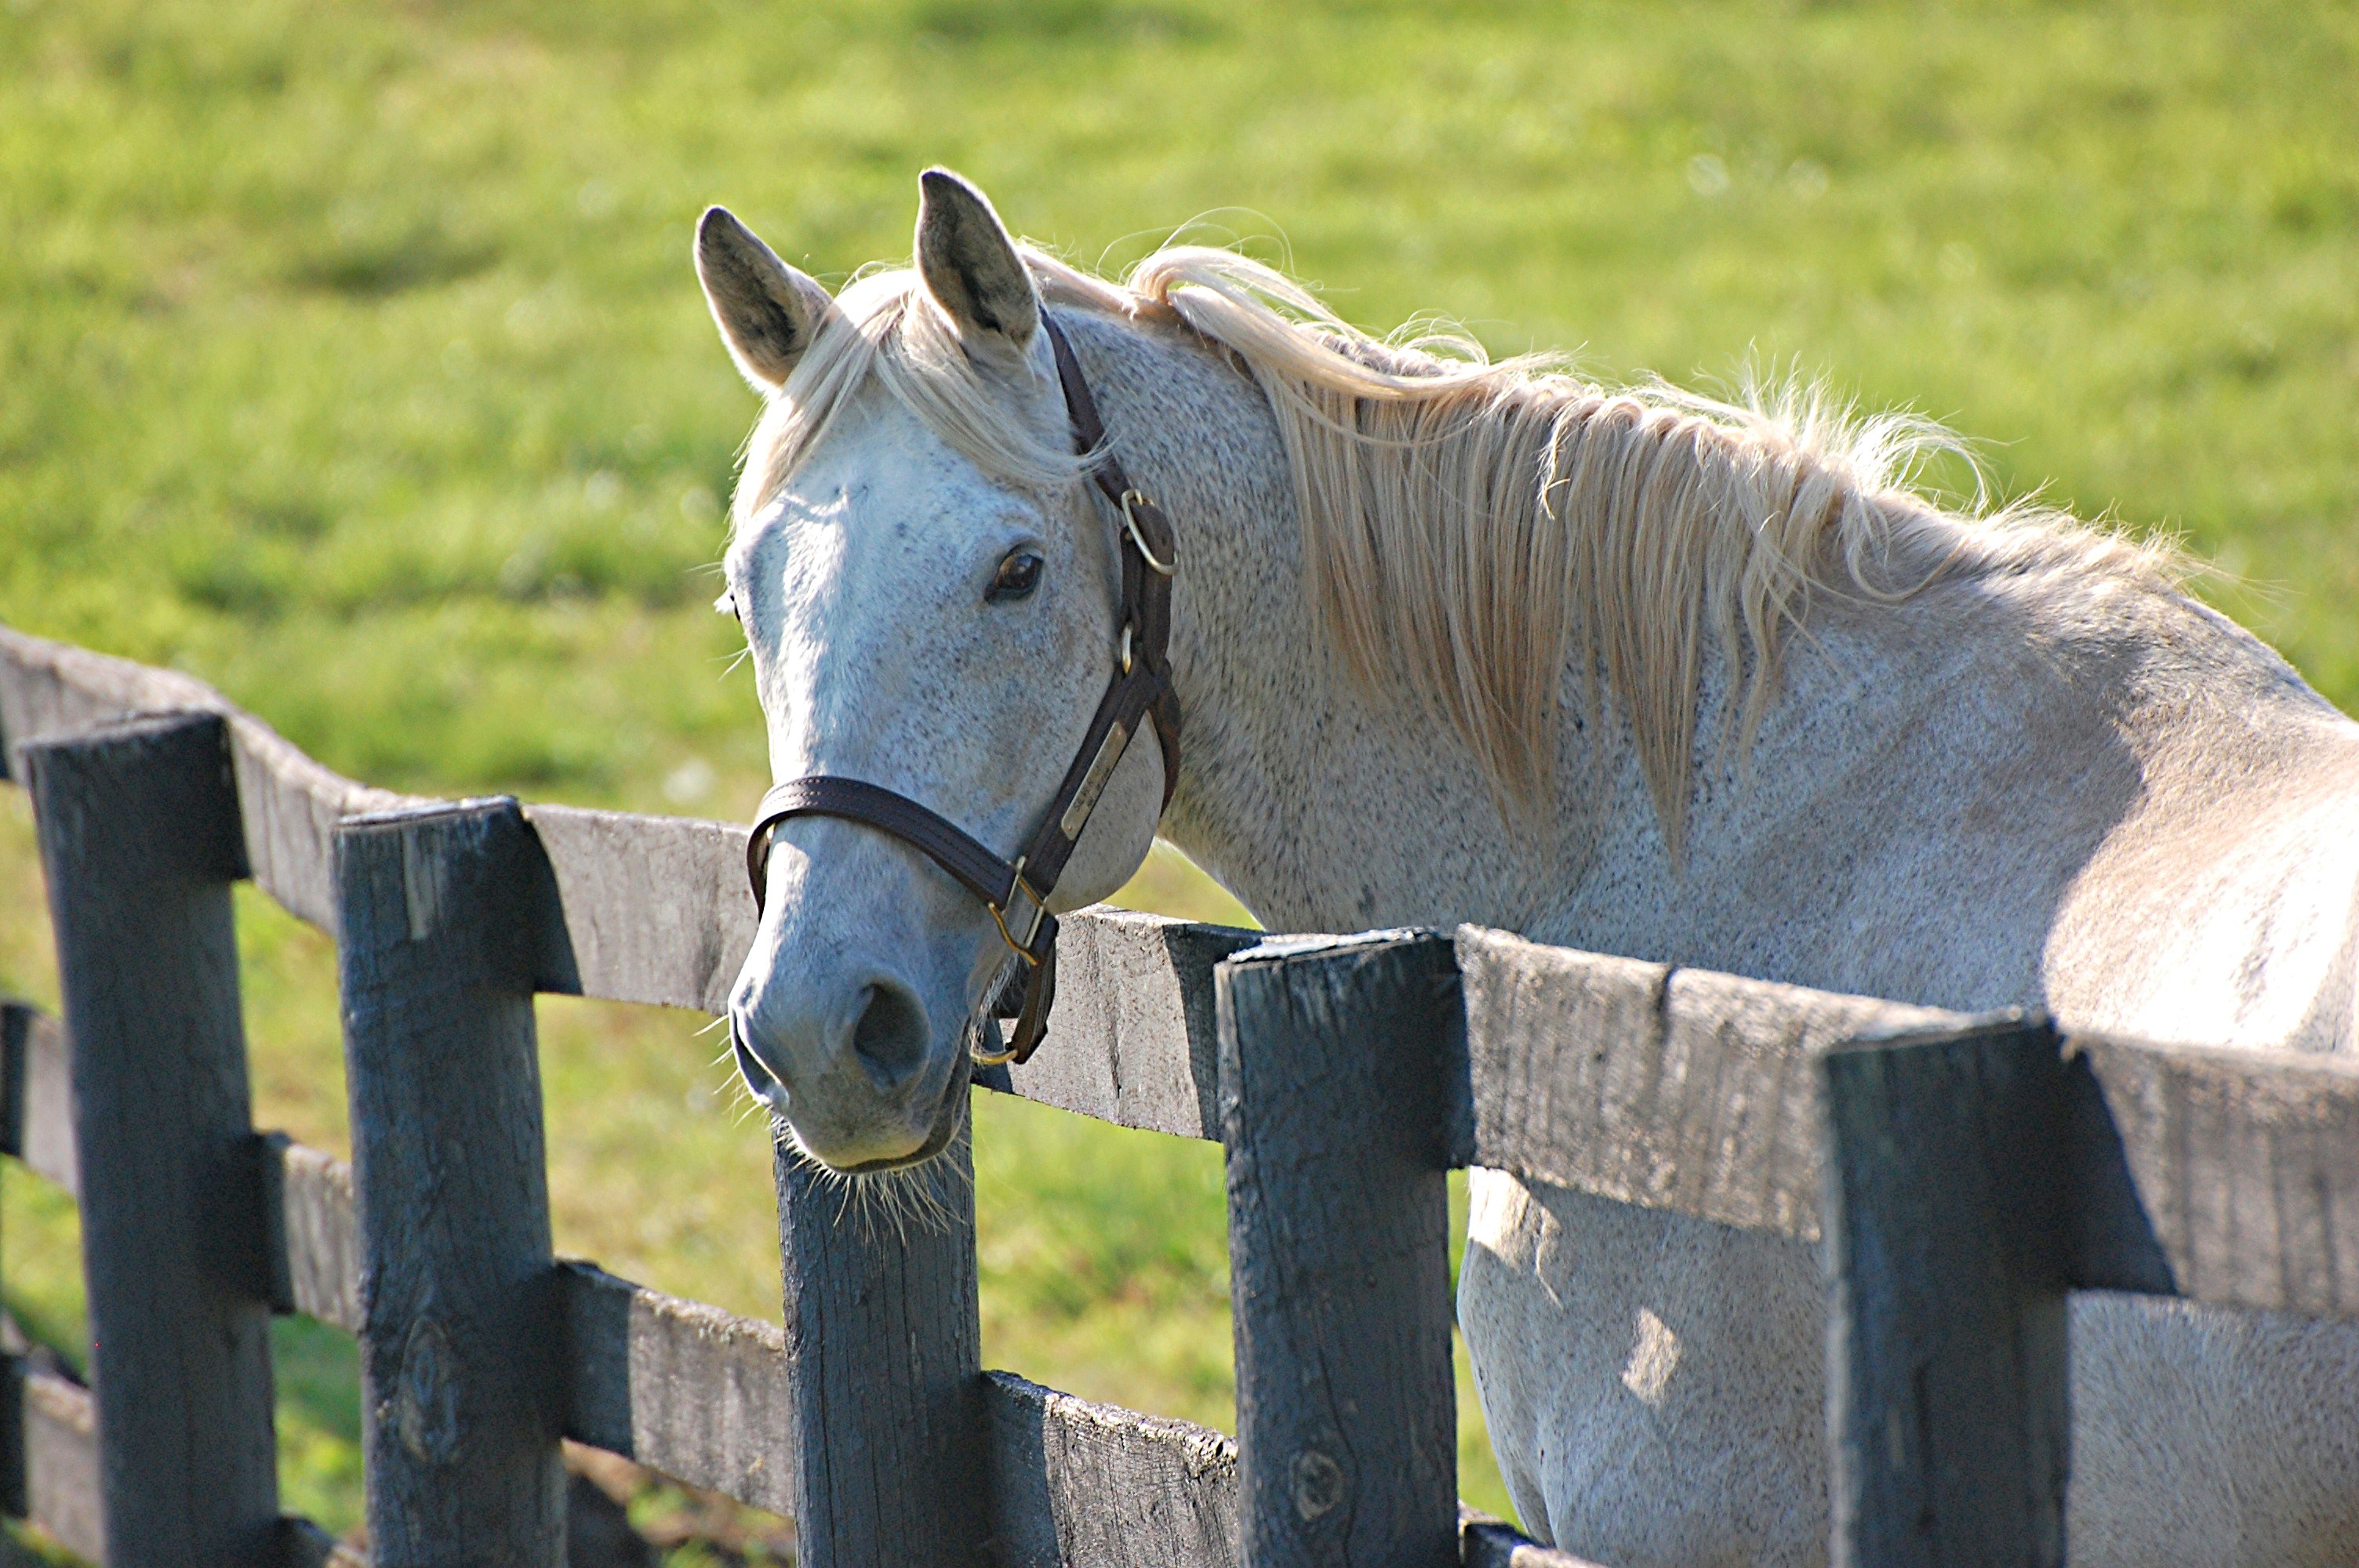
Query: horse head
[{"x": 929, "y": 593}]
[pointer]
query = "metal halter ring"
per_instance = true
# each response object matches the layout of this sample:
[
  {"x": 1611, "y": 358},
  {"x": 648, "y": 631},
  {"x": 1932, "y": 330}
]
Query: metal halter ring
[
  {"x": 1136, "y": 498},
  {"x": 1141, "y": 692}
]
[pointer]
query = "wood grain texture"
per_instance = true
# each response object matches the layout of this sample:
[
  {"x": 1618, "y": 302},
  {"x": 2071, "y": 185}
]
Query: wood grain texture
[
  {"x": 655, "y": 908},
  {"x": 1077, "y": 1484},
  {"x": 62, "y": 1462},
  {"x": 37, "y": 1114},
  {"x": 138, "y": 827},
  {"x": 2228, "y": 1176},
  {"x": 459, "y": 1331},
  {"x": 698, "y": 1393},
  {"x": 1135, "y": 1035},
  {"x": 292, "y": 803},
  {"x": 1487, "y": 1543},
  {"x": 1948, "y": 1232},
  {"x": 883, "y": 1339},
  {"x": 1669, "y": 1089},
  {"x": 49, "y": 689},
  {"x": 1334, "y": 1060},
  {"x": 316, "y": 1250}
]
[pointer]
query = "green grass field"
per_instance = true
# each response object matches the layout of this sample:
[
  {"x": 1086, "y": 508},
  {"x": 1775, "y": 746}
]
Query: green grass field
[{"x": 349, "y": 358}]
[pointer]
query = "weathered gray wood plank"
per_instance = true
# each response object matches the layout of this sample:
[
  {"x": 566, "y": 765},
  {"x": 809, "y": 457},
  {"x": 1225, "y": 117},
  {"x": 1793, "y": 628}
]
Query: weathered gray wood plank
[
  {"x": 138, "y": 827},
  {"x": 2229, "y": 1176},
  {"x": 655, "y": 908},
  {"x": 1948, "y": 1229},
  {"x": 1671, "y": 1088},
  {"x": 459, "y": 1336},
  {"x": 292, "y": 803},
  {"x": 38, "y": 1115},
  {"x": 53, "y": 689},
  {"x": 2222, "y": 1176},
  {"x": 315, "y": 1244},
  {"x": 698, "y": 1393},
  {"x": 1076, "y": 1484},
  {"x": 884, "y": 1340},
  {"x": 1336, "y": 1060},
  {"x": 62, "y": 1465},
  {"x": 1134, "y": 1036},
  {"x": 689, "y": 1389},
  {"x": 656, "y": 911}
]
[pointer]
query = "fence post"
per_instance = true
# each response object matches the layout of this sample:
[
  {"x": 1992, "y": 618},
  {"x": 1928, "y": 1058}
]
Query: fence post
[
  {"x": 1945, "y": 1221},
  {"x": 885, "y": 1356},
  {"x": 435, "y": 911},
  {"x": 16, "y": 1058},
  {"x": 1338, "y": 1127},
  {"x": 140, "y": 840}
]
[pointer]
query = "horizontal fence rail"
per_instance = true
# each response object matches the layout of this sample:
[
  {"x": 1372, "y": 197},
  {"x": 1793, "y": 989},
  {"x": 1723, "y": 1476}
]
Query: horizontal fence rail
[
  {"x": 652, "y": 910},
  {"x": 690, "y": 1390},
  {"x": 2226, "y": 1177}
]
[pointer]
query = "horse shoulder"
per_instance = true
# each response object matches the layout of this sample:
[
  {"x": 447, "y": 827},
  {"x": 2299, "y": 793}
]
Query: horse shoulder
[{"x": 2224, "y": 907}]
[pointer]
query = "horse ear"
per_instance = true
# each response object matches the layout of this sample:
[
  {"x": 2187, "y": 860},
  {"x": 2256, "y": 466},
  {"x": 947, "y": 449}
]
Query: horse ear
[
  {"x": 970, "y": 266},
  {"x": 768, "y": 312}
]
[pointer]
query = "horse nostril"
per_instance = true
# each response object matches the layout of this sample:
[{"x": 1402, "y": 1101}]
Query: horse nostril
[
  {"x": 758, "y": 1076},
  {"x": 890, "y": 1035}
]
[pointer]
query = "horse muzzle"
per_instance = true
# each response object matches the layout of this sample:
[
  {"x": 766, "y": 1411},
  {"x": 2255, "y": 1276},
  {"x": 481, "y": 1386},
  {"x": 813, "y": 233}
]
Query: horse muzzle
[{"x": 853, "y": 1059}]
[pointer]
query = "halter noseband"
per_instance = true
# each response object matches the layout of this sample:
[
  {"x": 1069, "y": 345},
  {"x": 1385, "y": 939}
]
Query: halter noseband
[{"x": 1017, "y": 892}]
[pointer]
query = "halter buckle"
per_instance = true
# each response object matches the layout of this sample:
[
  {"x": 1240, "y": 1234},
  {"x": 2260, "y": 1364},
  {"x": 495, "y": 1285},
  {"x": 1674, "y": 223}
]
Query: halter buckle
[
  {"x": 1131, "y": 501},
  {"x": 1039, "y": 912},
  {"x": 991, "y": 1058}
]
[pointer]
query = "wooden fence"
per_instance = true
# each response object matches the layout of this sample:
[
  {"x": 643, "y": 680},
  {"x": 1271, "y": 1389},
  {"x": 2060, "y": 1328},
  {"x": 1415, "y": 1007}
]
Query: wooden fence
[{"x": 1962, "y": 1174}]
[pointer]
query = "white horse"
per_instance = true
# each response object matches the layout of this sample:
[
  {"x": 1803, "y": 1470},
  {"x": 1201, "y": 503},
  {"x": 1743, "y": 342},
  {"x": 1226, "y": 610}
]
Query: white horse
[{"x": 1626, "y": 671}]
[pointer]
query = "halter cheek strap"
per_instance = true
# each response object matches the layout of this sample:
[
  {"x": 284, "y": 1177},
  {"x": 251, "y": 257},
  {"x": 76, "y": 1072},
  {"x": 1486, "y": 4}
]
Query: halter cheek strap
[{"x": 1139, "y": 690}]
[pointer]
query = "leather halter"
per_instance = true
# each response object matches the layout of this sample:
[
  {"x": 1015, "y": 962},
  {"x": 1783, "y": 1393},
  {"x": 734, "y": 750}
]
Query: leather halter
[{"x": 1017, "y": 892}]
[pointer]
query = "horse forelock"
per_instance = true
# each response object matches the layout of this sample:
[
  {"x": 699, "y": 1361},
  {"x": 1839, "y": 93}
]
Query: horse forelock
[
  {"x": 882, "y": 329},
  {"x": 1474, "y": 528}
]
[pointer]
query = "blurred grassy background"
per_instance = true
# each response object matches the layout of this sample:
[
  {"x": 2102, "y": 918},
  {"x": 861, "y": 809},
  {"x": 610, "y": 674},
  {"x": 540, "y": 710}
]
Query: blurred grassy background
[{"x": 350, "y": 357}]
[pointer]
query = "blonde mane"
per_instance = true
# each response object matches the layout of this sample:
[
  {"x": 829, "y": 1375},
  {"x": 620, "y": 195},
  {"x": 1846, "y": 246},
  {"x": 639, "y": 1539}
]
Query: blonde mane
[{"x": 1471, "y": 526}]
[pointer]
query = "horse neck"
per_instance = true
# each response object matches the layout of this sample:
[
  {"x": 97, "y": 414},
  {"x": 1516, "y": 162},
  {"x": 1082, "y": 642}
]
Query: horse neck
[
  {"x": 2014, "y": 704},
  {"x": 1323, "y": 806},
  {"x": 1320, "y": 806}
]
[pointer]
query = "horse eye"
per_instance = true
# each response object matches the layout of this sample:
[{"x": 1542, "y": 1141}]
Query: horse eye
[{"x": 1020, "y": 574}]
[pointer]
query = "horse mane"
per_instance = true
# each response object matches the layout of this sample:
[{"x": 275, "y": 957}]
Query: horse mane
[{"x": 1470, "y": 526}]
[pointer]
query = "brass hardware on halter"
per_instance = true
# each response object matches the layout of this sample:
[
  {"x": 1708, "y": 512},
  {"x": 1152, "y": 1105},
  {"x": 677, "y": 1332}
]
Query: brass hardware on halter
[
  {"x": 991, "y": 1058},
  {"x": 999, "y": 916},
  {"x": 1016, "y": 1050},
  {"x": 1131, "y": 500},
  {"x": 1140, "y": 694},
  {"x": 1093, "y": 782}
]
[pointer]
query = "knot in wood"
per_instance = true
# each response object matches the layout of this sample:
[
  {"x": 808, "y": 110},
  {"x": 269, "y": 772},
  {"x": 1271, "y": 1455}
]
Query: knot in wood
[
  {"x": 426, "y": 1408},
  {"x": 1318, "y": 1483}
]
